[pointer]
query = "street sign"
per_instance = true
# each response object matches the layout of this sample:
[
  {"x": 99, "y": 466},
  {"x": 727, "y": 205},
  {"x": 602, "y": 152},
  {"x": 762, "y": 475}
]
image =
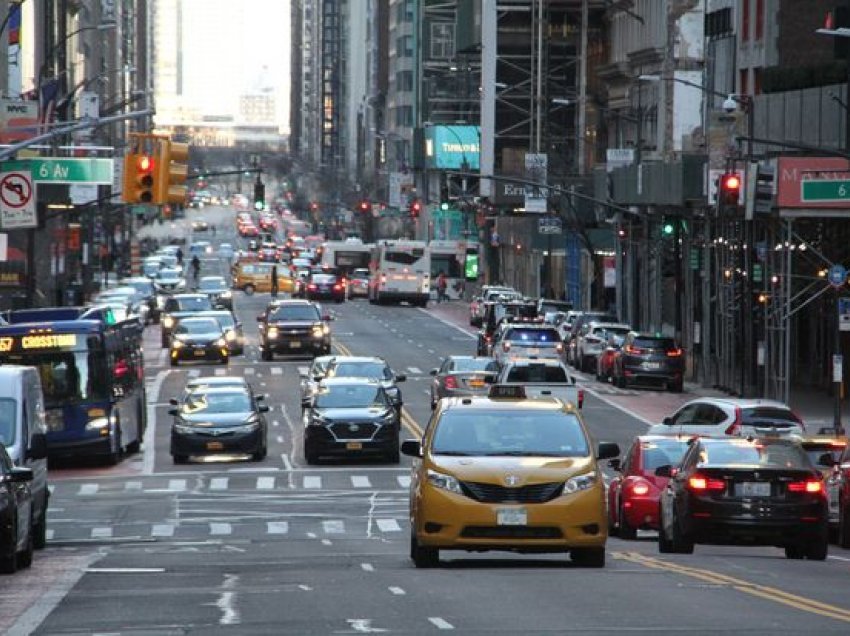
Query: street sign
[
  {"x": 61, "y": 170},
  {"x": 844, "y": 313},
  {"x": 549, "y": 225},
  {"x": 825, "y": 190},
  {"x": 837, "y": 275},
  {"x": 17, "y": 201}
]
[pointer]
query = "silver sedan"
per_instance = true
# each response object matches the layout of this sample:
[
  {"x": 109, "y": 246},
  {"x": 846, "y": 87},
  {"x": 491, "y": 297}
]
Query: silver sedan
[{"x": 462, "y": 376}]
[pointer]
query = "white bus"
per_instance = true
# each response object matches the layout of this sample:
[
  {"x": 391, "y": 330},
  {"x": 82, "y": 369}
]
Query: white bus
[
  {"x": 400, "y": 271},
  {"x": 458, "y": 260},
  {"x": 346, "y": 256}
]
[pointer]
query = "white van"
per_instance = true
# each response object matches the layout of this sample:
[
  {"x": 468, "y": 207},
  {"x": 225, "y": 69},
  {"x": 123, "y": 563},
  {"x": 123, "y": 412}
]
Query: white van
[{"x": 24, "y": 434}]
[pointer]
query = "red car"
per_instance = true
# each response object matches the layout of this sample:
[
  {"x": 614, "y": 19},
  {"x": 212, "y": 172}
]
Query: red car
[
  {"x": 634, "y": 494},
  {"x": 605, "y": 360},
  {"x": 248, "y": 230}
]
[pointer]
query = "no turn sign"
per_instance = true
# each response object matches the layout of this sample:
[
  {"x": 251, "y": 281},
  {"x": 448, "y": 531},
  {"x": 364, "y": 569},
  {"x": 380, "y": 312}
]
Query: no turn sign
[{"x": 17, "y": 201}]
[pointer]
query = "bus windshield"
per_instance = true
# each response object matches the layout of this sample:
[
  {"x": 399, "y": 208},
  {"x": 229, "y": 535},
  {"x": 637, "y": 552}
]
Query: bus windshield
[{"x": 69, "y": 377}]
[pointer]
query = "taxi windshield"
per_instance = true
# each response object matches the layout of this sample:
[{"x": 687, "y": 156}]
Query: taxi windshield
[{"x": 510, "y": 433}]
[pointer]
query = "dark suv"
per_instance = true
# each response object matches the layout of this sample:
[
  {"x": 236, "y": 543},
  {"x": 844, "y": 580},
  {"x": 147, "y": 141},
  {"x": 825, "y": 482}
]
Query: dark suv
[
  {"x": 497, "y": 312},
  {"x": 649, "y": 359},
  {"x": 180, "y": 306},
  {"x": 294, "y": 326}
]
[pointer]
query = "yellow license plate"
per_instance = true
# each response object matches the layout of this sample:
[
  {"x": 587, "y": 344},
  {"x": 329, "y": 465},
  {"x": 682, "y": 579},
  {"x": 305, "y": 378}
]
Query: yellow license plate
[
  {"x": 354, "y": 446},
  {"x": 215, "y": 446},
  {"x": 200, "y": 354}
]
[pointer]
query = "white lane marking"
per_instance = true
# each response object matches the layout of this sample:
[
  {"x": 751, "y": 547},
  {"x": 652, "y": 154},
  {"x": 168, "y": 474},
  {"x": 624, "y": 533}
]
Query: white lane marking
[
  {"x": 163, "y": 530},
  {"x": 363, "y": 626},
  {"x": 218, "y": 483},
  {"x": 220, "y": 528},
  {"x": 388, "y": 525},
  {"x": 275, "y": 423},
  {"x": 51, "y": 488},
  {"x": 124, "y": 570},
  {"x": 450, "y": 324},
  {"x": 311, "y": 535},
  {"x": 160, "y": 359},
  {"x": 287, "y": 466},
  {"x": 277, "y": 371},
  {"x": 220, "y": 372},
  {"x": 303, "y": 370},
  {"x": 226, "y": 602},
  {"x": 177, "y": 485},
  {"x": 249, "y": 371},
  {"x": 367, "y": 567},
  {"x": 193, "y": 373},
  {"x": 440, "y": 623},
  {"x": 88, "y": 489},
  {"x": 397, "y": 591},
  {"x": 327, "y": 542},
  {"x": 101, "y": 533},
  {"x": 279, "y": 439},
  {"x": 333, "y": 526},
  {"x": 414, "y": 370},
  {"x": 306, "y": 588},
  {"x": 50, "y": 535},
  {"x": 265, "y": 483},
  {"x": 312, "y": 482},
  {"x": 277, "y": 527},
  {"x": 838, "y": 558},
  {"x": 430, "y": 351},
  {"x": 133, "y": 486},
  {"x": 150, "y": 431},
  {"x": 360, "y": 481},
  {"x": 403, "y": 481}
]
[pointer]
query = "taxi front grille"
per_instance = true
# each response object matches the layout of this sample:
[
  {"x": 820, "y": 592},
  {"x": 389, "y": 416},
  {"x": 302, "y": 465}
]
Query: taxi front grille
[
  {"x": 511, "y": 532},
  {"x": 492, "y": 493}
]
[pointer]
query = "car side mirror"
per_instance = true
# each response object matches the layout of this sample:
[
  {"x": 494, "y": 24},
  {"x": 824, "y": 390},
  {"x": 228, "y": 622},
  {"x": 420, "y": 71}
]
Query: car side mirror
[
  {"x": 614, "y": 463},
  {"x": 38, "y": 447},
  {"x": 19, "y": 474},
  {"x": 328, "y": 318},
  {"x": 607, "y": 450},
  {"x": 401, "y": 378},
  {"x": 434, "y": 371},
  {"x": 411, "y": 448},
  {"x": 173, "y": 401},
  {"x": 260, "y": 319},
  {"x": 665, "y": 471},
  {"x": 173, "y": 411},
  {"x": 667, "y": 421},
  {"x": 263, "y": 408}
]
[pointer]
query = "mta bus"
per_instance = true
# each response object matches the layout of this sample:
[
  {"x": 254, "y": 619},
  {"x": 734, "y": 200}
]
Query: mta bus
[
  {"x": 458, "y": 260},
  {"x": 92, "y": 375},
  {"x": 346, "y": 256},
  {"x": 400, "y": 271}
]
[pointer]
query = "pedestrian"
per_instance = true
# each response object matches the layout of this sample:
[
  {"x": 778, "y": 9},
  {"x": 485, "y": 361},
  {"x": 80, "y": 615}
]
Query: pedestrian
[
  {"x": 442, "y": 283},
  {"x": 274, "y": 281},
  {"x": 196, "y": 268},
  {"x": 180, "y": 257}
]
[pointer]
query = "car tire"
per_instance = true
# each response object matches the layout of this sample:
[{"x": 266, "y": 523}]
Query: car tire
[
  {"x": 114, "y": 457},
  {"x": 394, "y": 456},
  {"x": 588, "y": 557},
  {"x": 180, "y": 459},
  {"x": 423, "y": 556},
  {"x": 25, "y": 555},
  {"x": 249, "y": 289},
  {"x": 39, "y": 530},
  {"x": 795, "y": 551},
  {"x": 310, "y": 457},
  {"x": 260, "y": 455},
  {"x": 843, "y": 527},
  {"x": 9, "y": 563},
  {"x": 266, "y": 355},
  {"x": 818, "y": 549},
  {"x": 175, "y": 362},
  {"x": 677, "y": 387},
  {"x": 225, "y": 360},
  {"x": 625, "y": 529},
  {"x": 681, "y": 544}
]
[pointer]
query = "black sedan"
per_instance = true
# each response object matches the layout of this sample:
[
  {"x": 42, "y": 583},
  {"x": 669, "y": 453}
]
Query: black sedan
[
  {"x": 234, "y": 335},
  {"x": 744, "y": 491},
  {"x": 219, "y": 421},
  {"x": 325, "y": 286},
  {"x": 199, "y": 339},
  {"x": 216, "y": 288},
  {"x": 16, "y": 532},
  {"x": 351, "y": 417}
]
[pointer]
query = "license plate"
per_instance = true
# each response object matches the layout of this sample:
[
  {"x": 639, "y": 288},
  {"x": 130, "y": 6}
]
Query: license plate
[
  {"x": 512, "y": 517},
  {"x": 295, "y": 344},
  {"x": 753, "y": 489},
  {"x": 651, "y": 365},
  {"x": 354, "y": 446},
  {"x": 200, "y": 354},
  {"x": 215, "y": 446}
]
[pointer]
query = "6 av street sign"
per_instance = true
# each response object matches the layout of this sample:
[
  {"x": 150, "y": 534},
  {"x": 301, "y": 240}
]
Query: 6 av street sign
[
  {"x": 817, "y": 191},
  {"x": 95, "y": 171}
]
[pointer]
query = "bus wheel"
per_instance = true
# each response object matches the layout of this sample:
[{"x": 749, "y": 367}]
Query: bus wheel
[{"x": 115, "y": 454}]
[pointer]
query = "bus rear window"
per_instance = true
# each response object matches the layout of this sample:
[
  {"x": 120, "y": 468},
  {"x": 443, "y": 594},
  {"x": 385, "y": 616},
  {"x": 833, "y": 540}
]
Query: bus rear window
[{"x": 407, "y": 257}]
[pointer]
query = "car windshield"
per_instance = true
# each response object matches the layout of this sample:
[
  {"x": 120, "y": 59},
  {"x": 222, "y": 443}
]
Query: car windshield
[
  {"x": 745, "y": 453},
  {"x": 817, "y": 450},
  {"x": 168, "y": 274},
  {"x": 225, "y": 319},
  {"x": 475, "y": 364},
  {"x": 198, "y": 326},
  {"x": 521, "y": 433},
  {"x": 7, "y": 421},
  {"x": 336, "y": 397},
  {"x": 194, "y": 303},
  {"x": 521, "y": 336},
  {"x": 211, "y": 284},
  {"x": 538, "y": 373},
  {"x": 200, "y": 402},
  {"x": 324, "y": 279},
  {"x": 371, "y": 370},
  {"x": 666, "y": 452},
  {"x": 663, "y": 344},
  {"x": 295, "y": 312},
  {"x": 142, "y": 287},
  {"x": 767, "y": 415}
]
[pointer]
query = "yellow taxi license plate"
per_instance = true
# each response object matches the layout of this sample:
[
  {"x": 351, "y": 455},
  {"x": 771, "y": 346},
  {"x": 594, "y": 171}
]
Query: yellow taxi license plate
[
  {"x": 200, "y": 354},
  {"x": 215, "y": 446},
  {"x": 512, "y": 517},
  {"x": 354, "y": 446}
]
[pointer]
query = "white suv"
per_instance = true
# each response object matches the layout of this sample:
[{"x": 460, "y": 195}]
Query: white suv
[{"x": 719, "y": 417}]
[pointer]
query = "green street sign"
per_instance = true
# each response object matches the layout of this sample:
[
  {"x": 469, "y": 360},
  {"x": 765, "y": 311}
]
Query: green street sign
[
  {"x": 826, "y": 190},
  {"x": 93, "y": 171}
]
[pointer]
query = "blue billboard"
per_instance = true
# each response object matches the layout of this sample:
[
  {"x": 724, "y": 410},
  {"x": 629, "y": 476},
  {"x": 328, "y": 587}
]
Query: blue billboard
[{"x": 449, "y": 147}]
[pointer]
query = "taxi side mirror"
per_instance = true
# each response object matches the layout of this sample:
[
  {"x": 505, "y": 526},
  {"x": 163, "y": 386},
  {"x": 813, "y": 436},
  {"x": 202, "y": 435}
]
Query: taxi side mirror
[
  {"x": 401, "y": 378},
  {"x": 411, "y": 448},
  {"x": 263, "y": 408},
  {"x": 434, "y": 371},
  {"x": 259, "y": 319},
  {"x": 260, "y": 396},
  {"x": 607, "y": 450},
  {"x": 615, "y": 463}
]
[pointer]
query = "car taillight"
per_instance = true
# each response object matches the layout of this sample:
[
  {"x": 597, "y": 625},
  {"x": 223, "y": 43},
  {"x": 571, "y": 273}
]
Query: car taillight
[
  {"x": 699, "y": 483},
  {"x": 632, "y": 350},
  {"x": 311, "y": 286},
  {"x": 559, "y": 347},
  {"x": 812, "y": 486},
  {"x": 735, "y": 427},
  {"x": 640, "y": 488},
  {"x": 383, "y": 279},
  {"x": 674, "y": 353},
  {"x": 450, "y": 382},
  {"x": 337, "y": 287}
]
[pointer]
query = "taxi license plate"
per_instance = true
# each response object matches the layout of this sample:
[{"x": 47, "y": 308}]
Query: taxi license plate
[
  {"x": 200, "y": 353},
  {"x": 354, "y": 446},
  {"x": 512, "y": 517},
  {"x": 295, "y": 344},
  {"x": 753, "y": 489},
  {"x": 215, "y": 446}
]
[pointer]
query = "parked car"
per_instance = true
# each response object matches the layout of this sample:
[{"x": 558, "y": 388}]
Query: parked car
[
  {"x": 16, "y": 514},
  {"x": 725, "y": 416},
  {"x": 649, "y": 359}
]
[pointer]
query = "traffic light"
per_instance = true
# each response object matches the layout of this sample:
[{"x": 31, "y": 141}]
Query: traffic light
[
  {"x": 729, "y": 190},
  {"x": 667, "y": 228},
  {"x": 138, "y": 178},
  {"x": 259, "y": 194},
  {"x": 364, "y": 207},
  {"x": 172, "y": 171},
  {"x": 444, "y": 206},
  {"x": 415, "y": 209}
]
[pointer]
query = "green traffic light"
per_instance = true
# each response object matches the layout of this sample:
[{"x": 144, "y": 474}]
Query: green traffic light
[
  {"x": 667, "y": 229},
  {"x": 444, "y": 206}
]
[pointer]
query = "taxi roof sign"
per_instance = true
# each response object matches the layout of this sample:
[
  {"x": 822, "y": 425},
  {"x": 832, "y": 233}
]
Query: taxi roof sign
[{"x": 507, "y": 391}]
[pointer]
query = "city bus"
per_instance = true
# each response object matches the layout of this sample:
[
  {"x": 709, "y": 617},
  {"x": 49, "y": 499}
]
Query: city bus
[
  {"x": 92, "y": 375},
  {"x": 458, "y": 260},
  {"x": 346, "y": 256},
  {"x": 400, "y": 271}
]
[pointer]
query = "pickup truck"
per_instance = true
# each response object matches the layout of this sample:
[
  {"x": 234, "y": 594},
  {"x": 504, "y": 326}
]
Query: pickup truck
[{"x": 542, "y": 378}]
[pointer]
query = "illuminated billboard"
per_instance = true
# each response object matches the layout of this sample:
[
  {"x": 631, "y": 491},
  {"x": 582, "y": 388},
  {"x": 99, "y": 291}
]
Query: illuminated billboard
[{"x": 449, "y": 147}]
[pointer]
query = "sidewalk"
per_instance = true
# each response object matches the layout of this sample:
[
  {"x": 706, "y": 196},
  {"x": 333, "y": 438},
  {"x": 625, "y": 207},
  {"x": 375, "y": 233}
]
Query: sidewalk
[{"x": 815, "y": 407}]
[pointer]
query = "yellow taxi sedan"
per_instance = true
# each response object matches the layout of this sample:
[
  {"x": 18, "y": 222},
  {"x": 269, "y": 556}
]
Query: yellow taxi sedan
[{"x": 507, "y": 473}]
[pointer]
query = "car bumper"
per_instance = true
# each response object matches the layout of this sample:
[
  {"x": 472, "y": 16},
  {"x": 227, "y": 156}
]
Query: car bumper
[
  {"x": 319, "y": 440},
  {"x": 641, "y": 512},
  {"x": 94, "y": 446},
  {"x": 207, "y": 353},
  {"x": 447, "y": 520},
  {"x": 288, "y": 345},
  {"x": 205, "y": 444},
  {"x": 638, "y": 373},
  {"x": 325, "y": 295},
  {"x": 768, "y": 523}
]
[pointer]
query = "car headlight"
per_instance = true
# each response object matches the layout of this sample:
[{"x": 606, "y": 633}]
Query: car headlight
[
  {"x": 226, "y": 294},
  {"x": 220, "y": 342},
  {"x": 182, "y": 429},
  {"x": 326, "y": 329},
  {"x": 388, "y": 416},
  {"x": 177, "y": 343},
  {"x": 98, "y": 423},
  {"x": 444, "y": 482},
  {"x": 250, "y": 427},
  {"x": 230, "y": 335},
  {"x": 317, "y": 332},
  {"x": 160, "y": 302},
  {"x": 580, "y": 482},
  {"x": 392, "y": 391},
  {"x": 168, "y": 322},
  {"x": 273, "y": 331}
]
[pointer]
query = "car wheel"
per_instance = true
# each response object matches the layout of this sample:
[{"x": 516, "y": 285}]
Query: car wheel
[
  {"x": 114, "y": 457},
  {"x": 311, "y": 457},
  {"x": 844, "y": 527},
  {"x": 626, "y": 531},
  {"x": 266, "y": 355},
  {"x": 163, "y": 343},
  {"x": 681, "y": 544},
  {"x": 794, "y": 551},
  {"x": 260, "y": 455},
  {"x": 588, "y": 557},
  {"x": 225, "y": 360},
  {"x": 9, "y": 563},
  {"x": 249, "y": 289},
  {"x": 817, "y": 549},
  {"x": 423, "y": 556},
  {"x": 25, "y": 555},
  {"x": 39, "y": 530},
  {"x": 175, "y": 362},
  {"x": 677, "y": 387},
  {"x": 394, "y": 456},
  {"x": 180, "y": 459}
]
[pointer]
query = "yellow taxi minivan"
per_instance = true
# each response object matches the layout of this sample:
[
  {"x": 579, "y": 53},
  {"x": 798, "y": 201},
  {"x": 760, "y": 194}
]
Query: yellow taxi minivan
[
  {"x": 256, "y": 276},
  {"x": 504, "y": 472}
]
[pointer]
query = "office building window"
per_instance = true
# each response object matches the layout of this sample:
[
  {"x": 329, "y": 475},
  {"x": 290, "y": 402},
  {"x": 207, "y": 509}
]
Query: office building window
[
  {"x": 745, "y": 85},
  {"x": 759, "y": 20},
  {"x": 442, "y": 40},
  {"x": 745, "y": 20}
]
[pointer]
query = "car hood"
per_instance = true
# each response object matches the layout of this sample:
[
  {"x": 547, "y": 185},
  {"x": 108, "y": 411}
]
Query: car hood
[
  {"x": 352, "y": 414},
  {"x": 294, "y": 323},
  {"x": 527, "y": 470},
  {"x": 199, "y": 338},
  {"x": 211, "y": 420}
]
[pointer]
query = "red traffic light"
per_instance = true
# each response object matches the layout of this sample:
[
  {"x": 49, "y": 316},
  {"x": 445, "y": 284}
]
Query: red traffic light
[
  {"x": 731, "y": 182},
  {"x": 364, "y": 207},
  {"x": 415, "y": 209},
  {"x": 144, "y": 164},
  {"x": 729, "y": 189}
]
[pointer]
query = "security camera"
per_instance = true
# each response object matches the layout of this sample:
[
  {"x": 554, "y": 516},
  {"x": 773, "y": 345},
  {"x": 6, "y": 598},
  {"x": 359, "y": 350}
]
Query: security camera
[{"x": 730, "y": 104}]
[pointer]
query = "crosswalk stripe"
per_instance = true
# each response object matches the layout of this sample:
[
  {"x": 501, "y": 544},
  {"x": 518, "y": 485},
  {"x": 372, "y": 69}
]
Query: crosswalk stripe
[
  {"x": 218, "y": 483},
  {"x": 360, "y": 481},
  {"x": 265, "y": 483},
  {"x": 163, "y": 530},
  {"x": 50, "y": 534},
  {"x": 414, "y": 370},
  {"x": 193, "y": 373},
  {"x": 303, "y": 370},
  {"x": 388, "y": 525},
  {"x": 221, "y": 528},
  {"x": 88, "y": 489},
  {"x": 403, "y": 481},
  {"x": 312, "y": 482},
  {"x": 277, "y": 371},
  {"x": 220, "y": 372},
  {"x": 101, "y": 533},
  {"x": 333, "y": 526},
  {"x": 51, "y": 488},
  {"x": 249, "y": 371},
  {"x": 177, "y": 484},
  {"x": 133, "y": 485},
  {"x": 277, "y": 527}
]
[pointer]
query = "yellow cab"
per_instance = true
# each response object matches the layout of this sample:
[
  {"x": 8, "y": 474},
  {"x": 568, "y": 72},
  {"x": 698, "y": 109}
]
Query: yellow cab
[
  {"x": 256, "y": 276},
  {"x": 504, "y": 472}
]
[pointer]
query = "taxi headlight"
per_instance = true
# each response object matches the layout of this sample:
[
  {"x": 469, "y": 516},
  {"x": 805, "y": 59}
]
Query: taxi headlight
[
  {"x": 445, "y": 482},
  {"x": 226, "y": 294},
  {"x": 273, "y": 331},
  {"x": 177, "y": 343},
  {"x": 249, "y": 427},
  {"x": 580, "y": 482},
  {"x": 230, "y": 335},
  {"x": 182, "y": 429},
  {"x": 220, "y": 343},
  {"x": 168, "y": 322}
]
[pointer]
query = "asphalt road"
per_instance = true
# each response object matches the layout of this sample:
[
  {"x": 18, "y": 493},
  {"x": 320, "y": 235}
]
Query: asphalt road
[{"x": 277, "y": 547}]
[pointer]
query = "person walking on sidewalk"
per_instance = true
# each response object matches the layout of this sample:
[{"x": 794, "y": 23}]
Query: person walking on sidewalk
[
  {"x": 442, "y": 283},
  {"x": 274, "y": 281}
]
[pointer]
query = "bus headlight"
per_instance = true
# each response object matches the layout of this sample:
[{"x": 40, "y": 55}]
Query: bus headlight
[{"x": 101, "y": 424}]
